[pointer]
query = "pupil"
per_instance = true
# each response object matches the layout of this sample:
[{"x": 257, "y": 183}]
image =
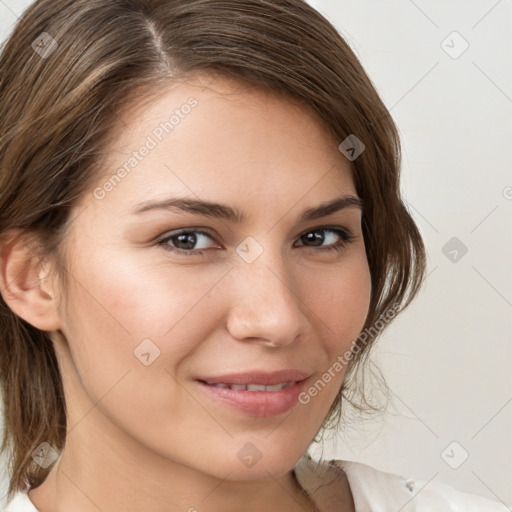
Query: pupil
[
  {"x": 315, "y": 236},
  {"x": 191, "y": 237}
]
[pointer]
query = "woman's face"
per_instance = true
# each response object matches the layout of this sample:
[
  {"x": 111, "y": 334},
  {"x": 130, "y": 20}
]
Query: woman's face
[{"x": 145, "y": 324}]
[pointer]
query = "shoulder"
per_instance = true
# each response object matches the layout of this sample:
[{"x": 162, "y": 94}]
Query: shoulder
[
  {"x": 378, "y": 490},
  {"x": 20, "y": 503}
]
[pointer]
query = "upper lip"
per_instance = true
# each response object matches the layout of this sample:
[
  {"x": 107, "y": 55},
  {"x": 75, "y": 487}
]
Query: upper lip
[{"x": 258, "y": 377}]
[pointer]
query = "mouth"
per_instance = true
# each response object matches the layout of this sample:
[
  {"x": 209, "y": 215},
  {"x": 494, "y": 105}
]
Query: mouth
[
  {"x": 250, "y": 387},
  {"x": 255, "y": 394}
]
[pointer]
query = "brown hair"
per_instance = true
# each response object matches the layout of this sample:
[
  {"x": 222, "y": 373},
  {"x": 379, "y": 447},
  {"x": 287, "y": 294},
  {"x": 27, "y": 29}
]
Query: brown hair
[{"x": 58, "y": 111}]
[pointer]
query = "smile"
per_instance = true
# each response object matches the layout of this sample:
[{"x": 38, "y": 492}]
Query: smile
[{"x": 253, "y": 387}]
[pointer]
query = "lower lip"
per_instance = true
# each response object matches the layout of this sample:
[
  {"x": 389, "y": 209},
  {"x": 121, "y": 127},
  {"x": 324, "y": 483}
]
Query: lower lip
[{"x": 257, "y": 403}]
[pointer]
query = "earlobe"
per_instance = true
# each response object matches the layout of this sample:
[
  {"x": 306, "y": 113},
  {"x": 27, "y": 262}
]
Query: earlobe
[{"x": 23, "y": 285}]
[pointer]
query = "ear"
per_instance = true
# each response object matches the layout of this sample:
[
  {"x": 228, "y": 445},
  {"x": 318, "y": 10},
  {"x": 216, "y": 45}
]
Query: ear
[{"x": 23, "y": 282}]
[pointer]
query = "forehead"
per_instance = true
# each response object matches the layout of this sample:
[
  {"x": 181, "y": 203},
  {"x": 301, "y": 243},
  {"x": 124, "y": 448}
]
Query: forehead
[
  {"x": 222, "y": 103},
  {"x": 220, "y": 137}
]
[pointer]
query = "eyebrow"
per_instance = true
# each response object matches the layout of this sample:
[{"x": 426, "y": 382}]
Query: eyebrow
[{"x": 223, "y": 211}]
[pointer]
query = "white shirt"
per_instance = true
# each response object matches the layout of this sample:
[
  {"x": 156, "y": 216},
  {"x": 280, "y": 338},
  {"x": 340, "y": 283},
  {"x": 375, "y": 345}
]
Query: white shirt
[{"x": 372, "y": 490}]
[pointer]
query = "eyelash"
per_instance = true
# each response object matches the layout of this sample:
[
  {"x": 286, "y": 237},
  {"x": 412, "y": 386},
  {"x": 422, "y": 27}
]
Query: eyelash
[{"x": 346, "y": 239}]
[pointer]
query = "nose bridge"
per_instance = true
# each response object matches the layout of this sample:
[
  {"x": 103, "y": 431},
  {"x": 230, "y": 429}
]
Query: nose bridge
[{"x": 265, "y": 304}]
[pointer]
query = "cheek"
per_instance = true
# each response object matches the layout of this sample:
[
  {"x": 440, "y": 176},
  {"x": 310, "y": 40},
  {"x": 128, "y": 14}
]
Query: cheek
[
  {"x": 137, "y": 298},
  {"x": 115, "y": 307},
  {"x": 117, "y": 301},
  {"x": 341, "y": 300}
]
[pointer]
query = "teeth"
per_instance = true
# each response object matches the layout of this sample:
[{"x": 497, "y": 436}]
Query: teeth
[
  {"x": 254, "y": 387},
  {"x": 257, "y": 387},
  {"x": 277, "y": 387}
]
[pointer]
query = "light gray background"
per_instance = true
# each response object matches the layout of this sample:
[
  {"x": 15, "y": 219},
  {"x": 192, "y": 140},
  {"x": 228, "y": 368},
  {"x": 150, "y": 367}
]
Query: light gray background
[{"x": 447, "y": 358}]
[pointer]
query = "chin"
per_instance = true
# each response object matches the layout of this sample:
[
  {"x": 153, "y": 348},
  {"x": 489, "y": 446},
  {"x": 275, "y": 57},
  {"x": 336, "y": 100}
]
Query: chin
[{"x": 251, "y": 463}]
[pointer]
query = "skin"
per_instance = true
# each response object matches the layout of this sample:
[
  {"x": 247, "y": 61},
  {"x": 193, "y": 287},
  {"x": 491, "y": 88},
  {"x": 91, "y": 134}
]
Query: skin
[{"x": 144, "y": 437}]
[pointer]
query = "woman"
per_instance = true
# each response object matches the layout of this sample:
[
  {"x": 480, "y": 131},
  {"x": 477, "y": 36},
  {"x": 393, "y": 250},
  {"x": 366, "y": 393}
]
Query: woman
[{"x": 143, "y": 373}]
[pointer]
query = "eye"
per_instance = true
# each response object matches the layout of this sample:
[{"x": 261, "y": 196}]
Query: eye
[
  {"x": 343, "y": 234},
  {"x": 184, "y": 241}
]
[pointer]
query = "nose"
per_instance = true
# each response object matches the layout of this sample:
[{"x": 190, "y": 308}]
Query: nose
[{"x": 268, "y": 306}]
